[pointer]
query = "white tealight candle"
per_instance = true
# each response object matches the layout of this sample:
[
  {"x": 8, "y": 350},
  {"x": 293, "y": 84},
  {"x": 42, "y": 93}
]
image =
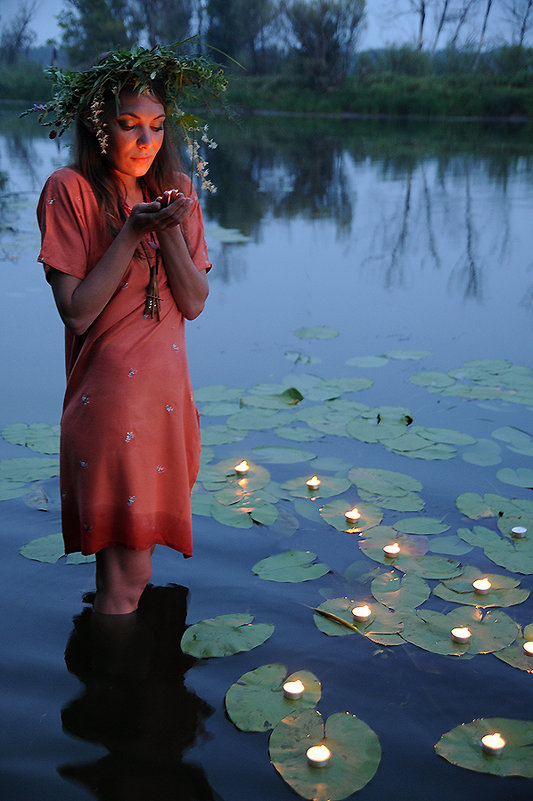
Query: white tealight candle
[
  {"x": 518, "y": 532},
  {"x": 242, "y": 467},
  {"x": 493, "y": 743},
  {"x": 528, "y": 648},
  {"x": 318, "y": 756},
  {"x": 391, "y": 550},
  {"x": 361, "y": 612},
  {"x": 313, "y": 483},
  {"x": 293, "y": 689},
  {"x": 461, "y": 634},
  {"x": 353, "y": 515},
  {"x": 481, "y": 586}
]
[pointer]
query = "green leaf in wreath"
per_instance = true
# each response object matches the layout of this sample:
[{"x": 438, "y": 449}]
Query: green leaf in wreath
[
  {"x": 256, "y": 702},
  {"x": 224, "y": 635},
  {"x": 462, "y": 746},
  {"x": 291, "y": 566},
  {"x": 355, "y": 754}
]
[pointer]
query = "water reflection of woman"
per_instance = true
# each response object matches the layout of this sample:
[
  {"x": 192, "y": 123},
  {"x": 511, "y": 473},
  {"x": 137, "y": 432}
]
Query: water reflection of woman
[
  {"x": 135, "y": 702},
  {"x": 124, "y": 251}
]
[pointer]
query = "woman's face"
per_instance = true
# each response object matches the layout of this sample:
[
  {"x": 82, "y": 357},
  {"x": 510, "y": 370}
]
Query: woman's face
[{"x": 135, "y": 135}]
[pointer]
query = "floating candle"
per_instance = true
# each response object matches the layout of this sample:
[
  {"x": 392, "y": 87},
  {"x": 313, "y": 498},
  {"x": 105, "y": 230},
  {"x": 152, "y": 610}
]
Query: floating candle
[
  {"x": 313, "y": 483},
  {"x": 352, "y": 515},
  {"x": 293, "y": 689},
  {"x": 242, "y": 467},
  {"x": 481, "y": 586},
  {"x": 528, "y": 648},
  {"x": 361, "y": 612},
  {"x": 391, "y": 550},
  {"x": 318, "y": 756},
  {"x": 518, "y": 532},
  {"x": 461, "y": 634},
  {"x": 493, "y": 743}
]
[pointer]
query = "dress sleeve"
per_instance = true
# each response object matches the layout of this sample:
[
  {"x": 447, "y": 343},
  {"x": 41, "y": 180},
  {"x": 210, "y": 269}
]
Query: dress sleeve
[
  {"x": 62, "y": 218},
  {"x": 192, "y": 227}
]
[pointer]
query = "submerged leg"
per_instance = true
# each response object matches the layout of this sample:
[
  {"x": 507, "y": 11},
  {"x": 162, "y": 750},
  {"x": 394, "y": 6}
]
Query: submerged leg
[{"x": 121, "y": 576}]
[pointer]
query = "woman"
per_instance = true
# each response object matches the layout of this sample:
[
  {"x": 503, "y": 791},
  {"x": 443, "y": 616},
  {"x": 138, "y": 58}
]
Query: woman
[{"x": 124, "y": 251}]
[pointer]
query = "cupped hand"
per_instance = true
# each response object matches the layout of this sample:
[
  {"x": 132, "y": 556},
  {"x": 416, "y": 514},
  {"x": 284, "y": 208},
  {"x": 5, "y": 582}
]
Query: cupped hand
[{"x": 167, "y": 211}]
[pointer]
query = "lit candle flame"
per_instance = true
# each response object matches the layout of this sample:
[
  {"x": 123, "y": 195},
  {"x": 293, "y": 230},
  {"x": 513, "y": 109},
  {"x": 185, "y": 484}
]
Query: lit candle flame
[
  {"x": 242, "y": 467},
  {"x": 493, "y": 742},
  {"x": 318, "y": 755},
  {"x": 461, "y": 634},
  {"x": 482, "y": 586},
  {"x": 353, "y": 514},
  {"x": 361, "y": 612},
  {"x": 293, "y": 689},
  {"x": 313, "y": 483},
  {"x": 391, "y": 550},
  {"x": 528, "y": 648}
]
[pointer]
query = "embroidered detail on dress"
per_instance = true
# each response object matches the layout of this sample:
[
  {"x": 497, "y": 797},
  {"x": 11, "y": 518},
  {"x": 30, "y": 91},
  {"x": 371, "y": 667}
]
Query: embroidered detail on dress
[
  {"x": 170, "y": 409},
  {"x": 64, "y": 495},
  {"x": 87, "y": 527},
  {"x": 132, "y": 372},
  {"x": 84, "y": 465},
  {"x": 176, "y": 348},
  {"x": 85, "y": 399},
  {"x": 124, "y": 285},
  {"x": 131, "y": 500},
  {"x": 160, "y": 468},
  {"x": 129, "y": 436},
  {"x": 51, "y": 200}
]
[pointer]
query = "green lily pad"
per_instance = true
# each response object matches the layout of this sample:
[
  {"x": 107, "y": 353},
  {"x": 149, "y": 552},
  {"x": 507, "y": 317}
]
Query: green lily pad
[
  {"x": 298, "y": 433},
  {"x": 333, "y": 388},
  {"x": 40, "y": 437},
  {"x": 443, "y": 435},
  {"x": 291, "y": 566},
  {"x": 316, "y": 332},
  {"x": 251, "y": 419},
  {"x": 201, "y": 504},
  {"x": 484, "y": 453},
  {"x": 513, "y": 555},
  {"x": 11, "y": 489},
  {"x": 237, "y": 517},
  {"x": 402, "y": 593},
  {"x": 273, "y": 399},
  {"x": 383, "y": 482},
  {"x": 408, "y": 355},
  {"x": 334, "y": 514},
  {"x": 355, "y": 754},
  {"x": 256, "y": 702},
  {"x": 491, "y": 631},
  {"x": 220, "y": 409},
  {"x": 474, "y": 505},
  {"x": 367, "y": 361},
  {"x": 224, "y": 635},
  {"x": 329, "y": 486},
  {"x": 334, "y": 618},
  {"x": 281, "y": 455},
  {"x": 522, "y": 477},
  {"x": 514, "y": 656},
  {"x": 308, "y": 510},
  {"x": 517, "y": 440},
  {"x": 462, "y": 746},
  {"x": 450, "y": 545},
  {"x": 223, "y": 475},
  {"x": 216, "y": 393},
  {"x": 372, "y": 430},
  {"x": 504, "y": 591},
  {"x": 220, "y": 435},
  {"x": 80, "y": 559},
  {"x": 296, "y": 357},
  {"x": 407, "y": 503},
  {"x": 28, "y": 468},
  {"x": 44, "y": 549},
  {"x": 421, "y": 525},
  {"x": 415, "y": 447},
  {"x": 432, "y": 380}
]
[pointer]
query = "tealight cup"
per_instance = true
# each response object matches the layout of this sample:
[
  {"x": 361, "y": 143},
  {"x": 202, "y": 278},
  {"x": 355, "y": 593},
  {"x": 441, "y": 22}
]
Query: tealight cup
[
  {"x": 461, "y": 634},
  {"x": 318, "y": 756},
  {"x": 313, "y": 483},
  {"x": 518, "y": 532},
  {"x": 242, "y": 468},
  {"x": 493, "y": 743},
  {"x": 293, "y": 689},
  {"x": 391, "y": 551},
  {"x": 361, "y": 613},
  {"x": 528, "y": 648},
  {"x": 481, "y": 586},
  {"x": 353, "y": 515}
]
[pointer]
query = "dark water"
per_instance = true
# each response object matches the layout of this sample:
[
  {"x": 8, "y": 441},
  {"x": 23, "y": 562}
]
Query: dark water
[{"x": 399, "y": 236}]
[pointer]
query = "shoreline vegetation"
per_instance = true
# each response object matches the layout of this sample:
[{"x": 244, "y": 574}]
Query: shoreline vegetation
[{"x": 395, "y": 87}]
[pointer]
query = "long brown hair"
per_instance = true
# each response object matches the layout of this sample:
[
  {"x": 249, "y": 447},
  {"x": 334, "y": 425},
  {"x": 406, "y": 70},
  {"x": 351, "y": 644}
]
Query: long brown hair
[{"x": 109, "y": 193}]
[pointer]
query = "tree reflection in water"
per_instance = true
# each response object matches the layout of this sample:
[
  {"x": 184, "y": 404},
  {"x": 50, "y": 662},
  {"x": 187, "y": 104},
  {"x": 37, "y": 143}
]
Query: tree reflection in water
[{"x": 135, "y": 702}]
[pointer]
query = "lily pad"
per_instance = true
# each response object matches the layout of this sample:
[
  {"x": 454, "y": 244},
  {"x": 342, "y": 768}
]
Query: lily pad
[
  {"x": 462, "y": 746},
  {"x": 355, "y": 754},
  {"x": 276, "y": 398},
  {"x": 513, "y": 555},
  {"x": 334, "y": 618},
  {"x": 301, "y": 358},
  {"x": 503, "y": 592},
  {"x": 522, "y": 477},
  {"x": 281, "y": 455},
  {"x": 217, "y": 393},
  {"x": 316, "y": 332},
  {"x": 372, "y": 430},
  {"x": 329, "y": 486},
  {"x": 421, "y": 525},
  {"x": 484, "y": 453},
  {"x": 44, "y": 549},
  {"x": 40, "y": 437},
  {"x": 367, "y": 361},
  {"x": 449, "y": 544},
  {"x": 291, "y": 566},
  {"x": 517, "y": 440},
  {"x": 432, "y": 380},
  {"x": 298, "y": 433},
  {"x": 402, "y": 593},
  {"x": 220, "y": 435},
  {"x": 28, "y": 468},
  {"x": 408, "y": 355},
  {"x": 257, "y": 420},
  {"x": 334, "y": 514},
  {"x": 514, "y": 656},
  {"x": 383, "y": 482},
  {"x": 256, "y": 702},
  {"x": 225, "y": 635},
  {"x": 491, "y": 631}
]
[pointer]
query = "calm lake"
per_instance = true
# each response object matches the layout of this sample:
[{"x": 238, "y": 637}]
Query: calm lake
[{"x": 331, "y": 240}]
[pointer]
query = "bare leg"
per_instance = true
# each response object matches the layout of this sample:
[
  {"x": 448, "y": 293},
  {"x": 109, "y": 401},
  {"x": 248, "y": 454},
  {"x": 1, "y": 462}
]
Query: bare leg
[{"x": 121, "y": 576}]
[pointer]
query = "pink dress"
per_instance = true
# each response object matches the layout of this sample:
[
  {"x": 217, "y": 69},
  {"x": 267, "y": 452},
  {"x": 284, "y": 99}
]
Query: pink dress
[{"x": 130, "y": 436}]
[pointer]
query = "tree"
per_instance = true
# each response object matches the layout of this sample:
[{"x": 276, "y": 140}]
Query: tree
[
  {"x": 237, "y": 27},
  {"x": 481, "y": 41},
  {"x": 420, "y": 8},
  {"x": 16, "y": 37},
  {"x": 520, "y": 16},
  {"x": 165, "y": 21},
  {"x": 92, "y": 27},
  {"x": 458, "y": 18},
  {"x": 324, "y": 32}
]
